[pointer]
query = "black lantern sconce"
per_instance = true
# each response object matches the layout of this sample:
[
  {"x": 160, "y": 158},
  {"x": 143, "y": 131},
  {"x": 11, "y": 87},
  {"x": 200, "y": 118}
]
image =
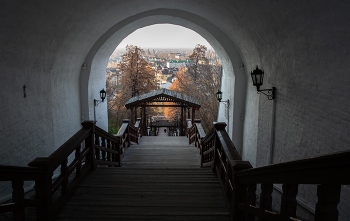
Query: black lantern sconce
[
  {"x": 97, "y": 102},
  {"x": 258, "y": 77},
  {"x": 219, "y": 97},
  {"x": 227, "y": 105},
  {"x": 102, "y": 96}
]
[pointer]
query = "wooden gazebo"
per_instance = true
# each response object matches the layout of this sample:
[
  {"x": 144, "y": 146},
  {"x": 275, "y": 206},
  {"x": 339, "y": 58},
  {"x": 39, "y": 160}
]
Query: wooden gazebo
[{"x": 163, "y": 95}]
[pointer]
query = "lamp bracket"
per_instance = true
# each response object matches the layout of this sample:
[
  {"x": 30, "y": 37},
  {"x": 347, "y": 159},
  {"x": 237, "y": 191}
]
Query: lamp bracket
[
  {"x": 227, "y": 103},
  {"x": 270, "y": 93},
  {"x": 97, "y": 102}
]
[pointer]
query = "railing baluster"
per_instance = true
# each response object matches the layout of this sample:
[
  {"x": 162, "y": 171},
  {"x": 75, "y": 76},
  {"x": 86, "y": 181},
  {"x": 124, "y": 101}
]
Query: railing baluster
[
  {"x": 288, "y": 200},
  {"x": 104, "y": 146},
  {"x": 78, "y": 159},
  {"x": 266, "y": 198},
  {"x": 108, "y": 153},
  {"x": 114, "y": 156},
  {"x": 97, "y": 142},
  {"x": 328, "y": 199},
  {"x": 18, "y": 199},
  {"x": 64, "y": 175},
  {"x": 251, "y": 200}
]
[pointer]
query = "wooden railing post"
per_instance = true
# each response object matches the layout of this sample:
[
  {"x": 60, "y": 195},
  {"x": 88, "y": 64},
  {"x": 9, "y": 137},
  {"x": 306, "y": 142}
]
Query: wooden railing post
[
  {"x": 64, "y": 172},
  {"x": 18, "y": 199},
  {"x": 127, "y": 134},
  {"x": 89, "y": 143},
  {"x": 109, "y": 157},
  {"x": 241, "y": 193},
  {"x": 43, "y": 188},
  {"x": 328, "y": 199},
  {"x": 288, "y": 200},
  {"x": 103, "y": 153},
  {"x": 77, "y": 157}
]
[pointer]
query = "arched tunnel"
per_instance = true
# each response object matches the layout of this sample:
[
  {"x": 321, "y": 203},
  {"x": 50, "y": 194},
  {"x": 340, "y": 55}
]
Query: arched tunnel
[{"x": 302, "y": 46}]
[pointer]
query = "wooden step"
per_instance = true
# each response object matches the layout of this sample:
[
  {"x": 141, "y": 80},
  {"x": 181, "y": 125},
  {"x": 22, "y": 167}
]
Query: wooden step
[{"x": 147, "y": 194}]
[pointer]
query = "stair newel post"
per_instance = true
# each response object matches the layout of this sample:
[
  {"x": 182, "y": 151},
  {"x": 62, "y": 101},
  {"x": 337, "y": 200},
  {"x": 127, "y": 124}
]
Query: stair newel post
[
  {"x": 89, "y": 143},
  {"x": 266, "y": 197},
  {"x": 241, "y": 194},
  {"x": 216, "y": 156},
  {"x": 127, "y": 132},
  {"x": 328, "y": 199},
  {"x": 43, "y": 188},
  {"x": 288, "y": 200},
  {"x": 18, "y": 199},
  {"x": 197, "y": 135}
]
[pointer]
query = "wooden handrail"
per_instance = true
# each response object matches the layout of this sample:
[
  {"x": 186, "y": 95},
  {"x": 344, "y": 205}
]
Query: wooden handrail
[
  {"x": 239, "y": 180},
  {"x": 330, "y": 168},
  {"x": 91, "y": 146},
  {"x": 55, "y": 159},
  {"x": 13, "y": 173}
]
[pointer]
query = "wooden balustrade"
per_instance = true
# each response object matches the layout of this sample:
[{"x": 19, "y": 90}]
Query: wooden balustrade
[
  {"x": 239, "y": 180},
  {"x": 89, "y": 147}
]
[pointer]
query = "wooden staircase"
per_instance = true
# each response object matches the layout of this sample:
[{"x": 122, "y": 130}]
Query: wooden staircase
[
  {"x": 147, "y": 194},
  {"x": 172, "y": 183},
  {"x": 160, "y": 179}
]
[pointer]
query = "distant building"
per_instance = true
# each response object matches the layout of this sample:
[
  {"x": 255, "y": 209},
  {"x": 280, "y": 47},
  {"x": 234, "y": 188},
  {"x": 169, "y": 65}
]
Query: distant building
[{"x": 177, "y": 64}]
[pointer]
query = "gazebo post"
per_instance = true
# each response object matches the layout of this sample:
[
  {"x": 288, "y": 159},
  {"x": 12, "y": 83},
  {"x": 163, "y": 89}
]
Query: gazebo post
[
  {"x": 132, "y": 115},
  {"x": 144, "y": 122},
  {"x": 182, "y": 121},
  {"x": 193, "y": 115}
]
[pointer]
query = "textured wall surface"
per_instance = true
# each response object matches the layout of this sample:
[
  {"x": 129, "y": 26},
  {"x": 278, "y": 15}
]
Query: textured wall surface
[{"x": 303, "y": 47}]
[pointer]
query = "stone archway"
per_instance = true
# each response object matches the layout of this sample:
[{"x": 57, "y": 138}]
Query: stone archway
[{"x": 235, "y": 78}]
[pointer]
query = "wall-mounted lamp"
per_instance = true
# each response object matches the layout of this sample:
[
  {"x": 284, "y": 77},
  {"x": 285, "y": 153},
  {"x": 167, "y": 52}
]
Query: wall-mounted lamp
[
  {"x": 97, "y": 102},
  {"x": 219, "y": 97},
  {"x": 227, "y": 104},
  {"x": 258, "y": 77}
]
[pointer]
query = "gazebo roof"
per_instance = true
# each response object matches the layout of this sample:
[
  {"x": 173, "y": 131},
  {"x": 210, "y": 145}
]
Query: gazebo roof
[{"x": 163, "y": 95}]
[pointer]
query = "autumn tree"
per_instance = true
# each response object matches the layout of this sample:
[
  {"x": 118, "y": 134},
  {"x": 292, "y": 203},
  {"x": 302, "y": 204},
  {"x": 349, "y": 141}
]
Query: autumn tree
[
  {"x": 137, "y": 77},
  {"x": 200, "y": 80},
  {"x": 198, "y": 61}
]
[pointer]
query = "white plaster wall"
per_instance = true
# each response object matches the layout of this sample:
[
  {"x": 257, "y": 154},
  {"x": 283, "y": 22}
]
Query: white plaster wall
[{"x": 302, "y": 46}]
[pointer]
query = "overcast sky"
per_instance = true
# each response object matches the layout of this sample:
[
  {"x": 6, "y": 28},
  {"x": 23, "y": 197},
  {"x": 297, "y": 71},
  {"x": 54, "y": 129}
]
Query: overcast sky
[{"x": 164, "y": 36}]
